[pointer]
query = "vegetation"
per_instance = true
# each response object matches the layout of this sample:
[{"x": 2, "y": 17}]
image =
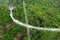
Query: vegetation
[{"x": 41, "y": 13}]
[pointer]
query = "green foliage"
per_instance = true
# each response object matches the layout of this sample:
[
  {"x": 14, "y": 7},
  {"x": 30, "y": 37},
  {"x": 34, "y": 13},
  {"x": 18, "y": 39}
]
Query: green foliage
[
  {"x": 41, "y": 13},
  {"x": 4, "y": 15}
]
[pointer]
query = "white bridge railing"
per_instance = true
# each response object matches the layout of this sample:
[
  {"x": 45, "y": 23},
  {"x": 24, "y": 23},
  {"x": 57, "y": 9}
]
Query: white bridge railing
[{"x": 30, "y": 26}]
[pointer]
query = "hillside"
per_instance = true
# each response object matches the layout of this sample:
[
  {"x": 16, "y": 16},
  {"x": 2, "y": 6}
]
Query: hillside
[{"x": 41, "y": 13}]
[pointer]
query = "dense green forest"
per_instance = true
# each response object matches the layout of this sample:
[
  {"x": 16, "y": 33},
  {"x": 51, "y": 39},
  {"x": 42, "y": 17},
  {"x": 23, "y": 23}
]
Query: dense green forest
[{"x": 41, "y": 13}]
